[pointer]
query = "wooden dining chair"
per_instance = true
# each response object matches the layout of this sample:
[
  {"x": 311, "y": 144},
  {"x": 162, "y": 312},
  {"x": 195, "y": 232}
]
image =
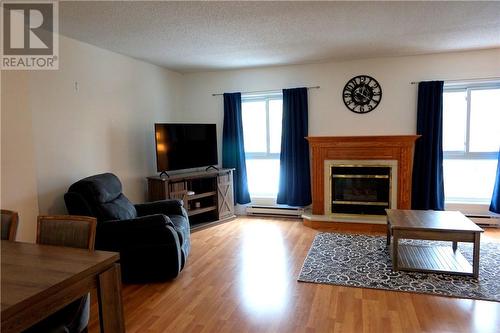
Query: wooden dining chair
[
  {"x": 68, "y": 231},
  {"x": 9, "y": 224}
]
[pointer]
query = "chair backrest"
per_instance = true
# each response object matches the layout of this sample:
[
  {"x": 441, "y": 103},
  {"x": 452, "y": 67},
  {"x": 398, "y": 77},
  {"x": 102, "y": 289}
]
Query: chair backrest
[
  {"x": 67, "y": 230},
  {"x": 99, "y": 196},
  {"x": 9, "y": 224}
]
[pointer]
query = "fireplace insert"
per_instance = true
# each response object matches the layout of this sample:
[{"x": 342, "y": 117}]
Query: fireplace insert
[{"x": 360, "y": 189}]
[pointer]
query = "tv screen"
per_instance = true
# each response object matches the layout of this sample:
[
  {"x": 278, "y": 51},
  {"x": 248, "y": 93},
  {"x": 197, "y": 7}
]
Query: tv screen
[{"x": 185, "y": 146}]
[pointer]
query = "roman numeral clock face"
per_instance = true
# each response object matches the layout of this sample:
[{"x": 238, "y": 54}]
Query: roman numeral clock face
[{"x": 362, "y": 94}]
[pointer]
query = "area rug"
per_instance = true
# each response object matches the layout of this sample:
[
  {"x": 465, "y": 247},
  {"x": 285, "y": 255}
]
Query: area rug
[{"x": 363, "y": 261}]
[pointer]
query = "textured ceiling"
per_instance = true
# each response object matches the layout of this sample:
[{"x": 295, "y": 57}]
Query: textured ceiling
[{"x": 200, "y": 36}]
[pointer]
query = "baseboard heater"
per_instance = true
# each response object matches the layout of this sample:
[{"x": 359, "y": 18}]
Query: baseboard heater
[{"x": 278, "y": 211}]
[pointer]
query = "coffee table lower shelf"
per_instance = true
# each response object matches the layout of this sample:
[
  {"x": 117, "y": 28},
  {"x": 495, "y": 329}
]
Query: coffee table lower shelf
[{"x": 438, "y": 259}]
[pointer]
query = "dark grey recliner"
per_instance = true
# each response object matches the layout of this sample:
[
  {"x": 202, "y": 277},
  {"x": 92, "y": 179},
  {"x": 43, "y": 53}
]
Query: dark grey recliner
[{"x": 153, "y": 238}]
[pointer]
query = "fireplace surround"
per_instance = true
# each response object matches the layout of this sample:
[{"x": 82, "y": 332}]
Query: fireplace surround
[{"x": 395, "y": 151}]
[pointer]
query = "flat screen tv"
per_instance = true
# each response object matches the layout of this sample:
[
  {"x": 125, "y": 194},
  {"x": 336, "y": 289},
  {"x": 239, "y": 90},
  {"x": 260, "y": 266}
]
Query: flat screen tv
[{"x": 185, "y": 146}]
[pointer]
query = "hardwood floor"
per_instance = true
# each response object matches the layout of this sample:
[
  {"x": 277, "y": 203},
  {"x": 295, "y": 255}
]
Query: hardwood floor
[{"x": 241, "y": 277}]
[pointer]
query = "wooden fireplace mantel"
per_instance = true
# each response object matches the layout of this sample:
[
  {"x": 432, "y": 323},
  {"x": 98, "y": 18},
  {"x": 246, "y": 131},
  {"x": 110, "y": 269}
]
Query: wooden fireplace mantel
[{"x": 393, "y": 147}]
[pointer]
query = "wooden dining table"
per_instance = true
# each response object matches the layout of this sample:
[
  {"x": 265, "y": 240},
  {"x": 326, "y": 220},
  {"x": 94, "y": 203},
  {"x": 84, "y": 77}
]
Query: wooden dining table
[{"x": 38, "y": 280}]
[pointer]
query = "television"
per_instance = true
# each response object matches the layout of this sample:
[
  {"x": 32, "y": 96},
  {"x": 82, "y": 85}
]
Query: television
[{"x": 185, "y": 146}]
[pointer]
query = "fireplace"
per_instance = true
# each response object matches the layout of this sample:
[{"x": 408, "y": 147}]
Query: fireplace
[
  {"x": 355, "y": 178},
  {"x": 359, "y": 189}
]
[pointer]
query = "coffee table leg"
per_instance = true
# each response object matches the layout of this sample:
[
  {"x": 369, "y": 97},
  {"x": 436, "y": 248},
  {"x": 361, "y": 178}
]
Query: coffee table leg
[
  {"x": 388, "y": 232},
  {"x": 395, "y": 241},
  {"x": 475, "y": 256},
  {"x": 454, "y": 246}
]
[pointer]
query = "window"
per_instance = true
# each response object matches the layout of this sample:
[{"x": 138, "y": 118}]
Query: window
[
  {"x": 471, "y": 139},
  {"x": 262, "y": 136}
]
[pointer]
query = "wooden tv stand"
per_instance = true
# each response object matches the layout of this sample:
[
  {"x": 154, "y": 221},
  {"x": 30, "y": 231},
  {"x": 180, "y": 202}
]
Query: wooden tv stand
[{"x": 207, "y": 195}]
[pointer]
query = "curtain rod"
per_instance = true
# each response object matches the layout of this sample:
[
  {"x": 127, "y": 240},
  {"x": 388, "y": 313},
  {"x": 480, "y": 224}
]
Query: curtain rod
[
  {"x": 459, "y": 80},
  {"x": 263, "y": 91}
]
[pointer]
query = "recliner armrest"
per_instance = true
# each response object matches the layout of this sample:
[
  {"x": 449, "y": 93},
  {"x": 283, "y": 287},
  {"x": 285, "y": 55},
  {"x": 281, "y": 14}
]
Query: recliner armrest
[
  {"x": 168, "y": 207},
  {"x": 149, "y": 246},
  {"x": 150, "y": 229}
]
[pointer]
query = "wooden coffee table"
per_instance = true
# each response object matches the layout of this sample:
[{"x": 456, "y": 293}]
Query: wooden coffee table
[{"x": 435, "y": 226}]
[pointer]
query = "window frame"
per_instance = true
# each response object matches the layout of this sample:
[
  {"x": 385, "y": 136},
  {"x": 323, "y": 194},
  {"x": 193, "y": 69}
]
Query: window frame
[
  {"x": 261, "y": 198},
  {"x": 468, "y": 205},
  {"x": 468, "y": 87},
  {"x": 263, "y": 98}
]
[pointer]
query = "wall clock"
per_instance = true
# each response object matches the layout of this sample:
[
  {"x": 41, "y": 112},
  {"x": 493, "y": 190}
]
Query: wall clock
[{"x": 362, "y": 94}]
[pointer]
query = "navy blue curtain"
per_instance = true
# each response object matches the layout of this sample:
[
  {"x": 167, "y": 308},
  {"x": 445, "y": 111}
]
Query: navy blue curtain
[
  {"x": 427, "y": 185},
  {"x": 295, "y": 181},
  {"x": 233, "y": 148},
  {"x": 495, "y": 199}
]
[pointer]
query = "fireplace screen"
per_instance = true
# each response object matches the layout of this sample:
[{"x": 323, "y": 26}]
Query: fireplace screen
[{"x": 360, "y": 189}]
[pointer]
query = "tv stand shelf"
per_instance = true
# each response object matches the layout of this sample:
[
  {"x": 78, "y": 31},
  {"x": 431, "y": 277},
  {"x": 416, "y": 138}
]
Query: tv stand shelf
[
  {"x": 201, "y": 195},
  {"x": 197, "y": 211},
  {"x": 207, "y": 195}
]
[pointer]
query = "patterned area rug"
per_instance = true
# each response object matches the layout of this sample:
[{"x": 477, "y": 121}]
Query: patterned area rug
[{"x": 364, "y": 261}]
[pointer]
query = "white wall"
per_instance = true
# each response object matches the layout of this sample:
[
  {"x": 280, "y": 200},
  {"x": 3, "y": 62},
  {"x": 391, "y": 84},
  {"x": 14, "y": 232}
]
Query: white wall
[
  {"x": 18, "y": 166},
  {"x": 53, "y": 134},
  {"x": 105, "y": 125},
  {"x": 396, "y": 113}
]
